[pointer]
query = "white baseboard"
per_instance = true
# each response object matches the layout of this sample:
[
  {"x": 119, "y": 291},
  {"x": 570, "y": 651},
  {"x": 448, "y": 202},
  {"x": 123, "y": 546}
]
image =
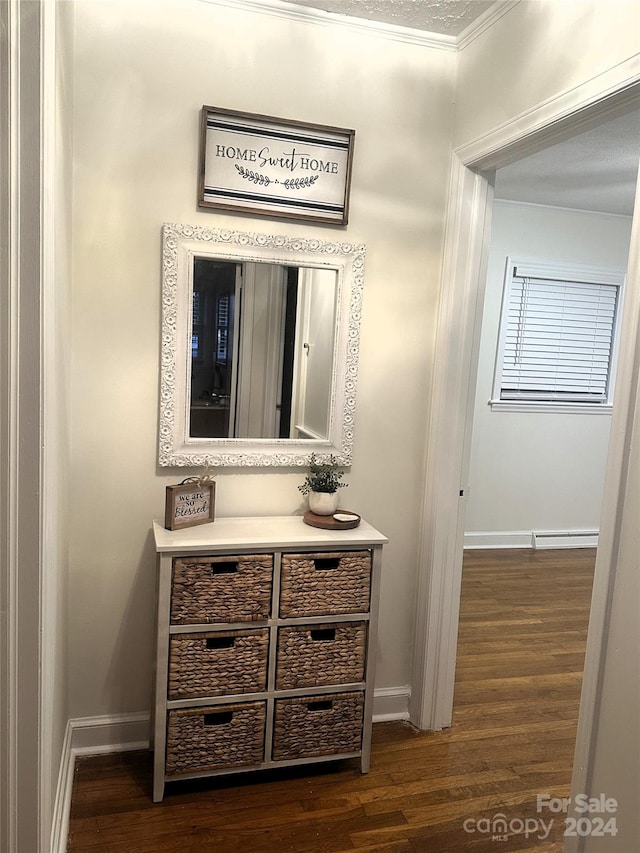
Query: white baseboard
[
  {"x": 115, "y": 733},
  {"x": 531, "y": 539},
  {"x": 112, "y": 733},
  {"x": 62, "y": 804},
  {"x": 391, "y": 703},
  {"x": 122, "y": 732},
  {"x": 498, "y": 539}
]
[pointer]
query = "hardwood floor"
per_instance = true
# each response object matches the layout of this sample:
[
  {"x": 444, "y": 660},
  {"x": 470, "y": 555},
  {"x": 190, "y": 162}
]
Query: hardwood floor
[{"x": 523, "y": 625}]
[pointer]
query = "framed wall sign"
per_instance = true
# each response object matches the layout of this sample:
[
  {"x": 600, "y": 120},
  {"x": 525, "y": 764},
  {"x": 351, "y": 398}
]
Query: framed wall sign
[
  {"x": 274, "y": 167},
  {"x": 189, "y": 504}
]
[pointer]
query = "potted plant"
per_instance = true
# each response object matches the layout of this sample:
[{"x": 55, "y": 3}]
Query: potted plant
[{"x": 321, "y": 485}]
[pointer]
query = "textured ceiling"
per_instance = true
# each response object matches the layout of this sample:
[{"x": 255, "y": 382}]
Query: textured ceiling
[
  {"x": 447, "y": 17},
  {"x": 596, "y": 170}
]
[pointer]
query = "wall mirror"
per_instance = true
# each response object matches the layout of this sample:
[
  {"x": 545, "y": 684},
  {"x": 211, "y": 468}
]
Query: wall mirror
[{"x": 260, "y": 340}]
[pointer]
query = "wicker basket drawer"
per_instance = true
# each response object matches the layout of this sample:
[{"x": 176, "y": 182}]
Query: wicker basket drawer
[
  {"x": 215, "y": 737},
  {"x": 214, "y": 664},
  {"x": 221, "y": 589},
  {"x": 316, "y": 655},
  {"x": 325, "y": 583},
  {"x": 317, "y": 725}
]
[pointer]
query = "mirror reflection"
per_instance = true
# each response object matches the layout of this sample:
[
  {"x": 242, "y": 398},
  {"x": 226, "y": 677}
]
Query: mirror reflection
[
  {"x": 262, "y": 350},
  {"x": 260, "y": 343}
]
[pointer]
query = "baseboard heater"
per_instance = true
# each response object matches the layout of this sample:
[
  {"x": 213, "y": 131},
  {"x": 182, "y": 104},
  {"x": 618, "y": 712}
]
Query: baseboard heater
[{"x": 564, "y": 539}]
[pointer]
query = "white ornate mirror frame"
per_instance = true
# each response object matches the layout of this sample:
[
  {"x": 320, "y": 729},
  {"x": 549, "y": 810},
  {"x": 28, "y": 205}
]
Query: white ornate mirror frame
[{"x": 180, "y": 245}]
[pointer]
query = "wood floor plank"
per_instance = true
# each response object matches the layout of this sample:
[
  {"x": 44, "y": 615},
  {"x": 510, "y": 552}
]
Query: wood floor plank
[{"x": 523, "y": 624}]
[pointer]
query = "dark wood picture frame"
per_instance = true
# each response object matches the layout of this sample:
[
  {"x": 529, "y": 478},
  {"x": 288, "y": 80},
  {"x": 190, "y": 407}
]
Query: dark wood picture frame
[
  {"x": 266, "y": 166},
  {"x": 189, "y": 504}
]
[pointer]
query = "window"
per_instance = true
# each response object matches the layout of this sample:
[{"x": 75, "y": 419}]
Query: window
[
  {"x": 558, "y": 337},
  {"x": 196, "y": 324}
]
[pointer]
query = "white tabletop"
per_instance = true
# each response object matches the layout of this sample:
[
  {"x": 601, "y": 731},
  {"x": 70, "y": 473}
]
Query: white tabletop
[{"x": 288, "y": 531}]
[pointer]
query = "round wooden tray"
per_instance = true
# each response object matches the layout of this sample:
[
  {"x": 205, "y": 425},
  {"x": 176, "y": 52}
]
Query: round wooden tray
[{"x": 328, "y": 522}]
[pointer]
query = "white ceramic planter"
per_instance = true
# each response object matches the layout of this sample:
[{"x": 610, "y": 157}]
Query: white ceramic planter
[{"x": 323, "y": 503}]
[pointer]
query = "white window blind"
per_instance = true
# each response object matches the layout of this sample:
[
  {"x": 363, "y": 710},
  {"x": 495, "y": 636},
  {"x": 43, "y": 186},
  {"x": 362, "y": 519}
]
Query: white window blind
[{"x": 557, "y": 335}]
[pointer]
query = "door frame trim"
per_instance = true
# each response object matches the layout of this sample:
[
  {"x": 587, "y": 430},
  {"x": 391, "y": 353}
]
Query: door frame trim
[{"x": 467, "y": 231}]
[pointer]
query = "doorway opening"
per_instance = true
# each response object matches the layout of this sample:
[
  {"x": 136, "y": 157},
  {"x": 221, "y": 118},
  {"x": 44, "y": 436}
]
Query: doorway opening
[
  {"x": 447, "y": 477},
  {"x": 554, "y": 298},
  {"x": 536, "y": 474}
]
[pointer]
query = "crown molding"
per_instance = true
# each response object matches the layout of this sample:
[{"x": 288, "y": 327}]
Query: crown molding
[
  {"x": 407, "y": 35},
  {"x": 560, "y": 208},
  {"x": 302, "y": 14},
  {"x": 605, "y": 96},
  {"x": 486, "y": 20}
]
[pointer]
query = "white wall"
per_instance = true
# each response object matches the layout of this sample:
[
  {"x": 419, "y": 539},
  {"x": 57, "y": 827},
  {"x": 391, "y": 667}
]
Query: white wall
[
  {"x": 615, "y": 770},
  {"x": 608, "y": 744},
  {"x": 538, "y": 471},
  {"x": 140, "y": 81},
  {"x": 616, "y": 757},
  {"x": 540, "y": 50},
  {"x": 314, "y": 365},
  {"x": 546, "y": 57}
]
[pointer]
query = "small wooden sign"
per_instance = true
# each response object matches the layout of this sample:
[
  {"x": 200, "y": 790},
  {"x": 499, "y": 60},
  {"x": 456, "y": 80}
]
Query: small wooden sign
[{"x": 189, "y": 504}]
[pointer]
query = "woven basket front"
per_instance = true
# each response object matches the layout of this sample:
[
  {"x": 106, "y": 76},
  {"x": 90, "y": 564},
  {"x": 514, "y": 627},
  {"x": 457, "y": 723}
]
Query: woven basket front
[
  {"x": 214, "y": 664},
  {"x": 215, "y": 737},
  {"x": 318, "y": 725},
  {"x": 221, "y": 589},
  {"x": 315, "y": 655},
  {"x": 325, "y": 583}
]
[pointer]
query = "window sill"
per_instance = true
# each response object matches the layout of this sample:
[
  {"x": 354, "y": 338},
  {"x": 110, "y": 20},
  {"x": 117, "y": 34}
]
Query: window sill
[{"x": 550, "y": 407}]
